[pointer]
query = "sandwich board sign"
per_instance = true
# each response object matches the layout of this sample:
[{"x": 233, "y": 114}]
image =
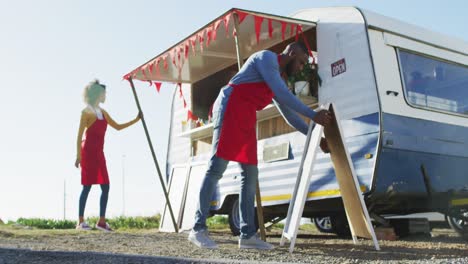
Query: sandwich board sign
[{"x": 355, "y": 208}]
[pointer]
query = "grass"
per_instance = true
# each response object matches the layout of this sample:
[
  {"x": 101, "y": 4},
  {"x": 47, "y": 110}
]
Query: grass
[
  {"x": 139, "y": 222},
  {"x": 216, "y": 222}
]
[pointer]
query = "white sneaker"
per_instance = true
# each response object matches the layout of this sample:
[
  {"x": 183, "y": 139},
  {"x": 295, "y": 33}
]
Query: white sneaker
[
  {"x": 254, "y": 242},
  {"x": 83, "y": 226},
  {"x": 201, "y": 239},
  {"x": 105, "y": 228}
]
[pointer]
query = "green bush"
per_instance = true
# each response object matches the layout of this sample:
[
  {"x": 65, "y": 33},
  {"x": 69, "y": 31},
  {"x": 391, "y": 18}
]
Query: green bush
[
  {"x": 139, "y": 222},
  {"x": 217, "y": 222},
  {"x": 46, "y": 223}
]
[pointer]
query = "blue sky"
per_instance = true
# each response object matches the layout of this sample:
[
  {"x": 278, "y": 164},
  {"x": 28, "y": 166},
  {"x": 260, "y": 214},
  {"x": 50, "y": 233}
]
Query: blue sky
[{"x": 51, "y": 49}]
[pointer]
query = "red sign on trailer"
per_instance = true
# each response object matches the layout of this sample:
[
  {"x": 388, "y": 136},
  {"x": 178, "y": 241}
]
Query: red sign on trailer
[{"x": 338, "y": 67}]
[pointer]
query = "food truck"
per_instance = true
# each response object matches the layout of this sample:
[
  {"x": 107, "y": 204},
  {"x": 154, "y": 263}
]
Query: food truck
[{"x": 401, "y": 91}]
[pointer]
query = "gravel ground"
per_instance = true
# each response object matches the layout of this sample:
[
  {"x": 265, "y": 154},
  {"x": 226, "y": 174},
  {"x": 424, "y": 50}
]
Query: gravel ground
[{"x": 150, "y": 246}]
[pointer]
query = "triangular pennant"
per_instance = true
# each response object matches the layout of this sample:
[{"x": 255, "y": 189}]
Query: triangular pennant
[
  {"x": 191, "y": 116},
  {"x": 258, "y": 27},
  {"x": 193, "y": 41},
  {"x": 144, "y": 73},
  {"x": 158, "y": 86},
  {"x": 186, "y": 49},
  {"x": 214, "y": 32},
  {"x": 201, "y": 39},
  {"x": 270, "y": 28},
  {"x": 165, "y": 62},
  {"x": 151, "y": 66},
  {"x": 241, "y": 15},
  {"x": 156, "y": 66},
  {"x": 307, "y": 45},
  {"x": 173, "y": 56},
  {"x": 181, "y": 95},
  {"x": 208, "y": 31},
  {"x": 127, "y": 76},
  {"x": 226, "y": 20},
  {"x": 283, "y": 29}
]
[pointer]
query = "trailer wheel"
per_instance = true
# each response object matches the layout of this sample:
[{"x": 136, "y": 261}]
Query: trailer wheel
[
  {"x": 234, "y": 217},
  {"x": 323, "y": 224},
  {"x": 459, "y": 224},
  {"x": 340, "y": 226}
]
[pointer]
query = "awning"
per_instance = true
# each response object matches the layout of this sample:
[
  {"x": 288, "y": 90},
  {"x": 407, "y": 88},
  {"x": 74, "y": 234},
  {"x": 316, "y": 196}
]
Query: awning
[{"x": 213, "y": 48}]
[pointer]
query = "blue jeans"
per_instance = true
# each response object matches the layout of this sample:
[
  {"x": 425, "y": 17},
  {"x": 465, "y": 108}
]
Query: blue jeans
[{"x": 216, "y": 168}]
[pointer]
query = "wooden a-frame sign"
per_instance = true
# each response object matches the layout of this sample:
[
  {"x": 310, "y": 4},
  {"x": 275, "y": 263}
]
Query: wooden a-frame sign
[{"x": 356, "y": 211}]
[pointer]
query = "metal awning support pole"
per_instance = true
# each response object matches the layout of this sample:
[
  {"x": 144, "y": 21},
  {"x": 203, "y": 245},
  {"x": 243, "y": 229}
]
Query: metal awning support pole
[
  {"x": 258, "y": 197},
  {"x": 154, "y": 156}
]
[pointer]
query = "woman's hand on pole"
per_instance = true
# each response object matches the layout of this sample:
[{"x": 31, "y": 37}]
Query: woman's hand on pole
[
  {"x": 77, "y": 162},
  {"x": 140, "y": 115}
]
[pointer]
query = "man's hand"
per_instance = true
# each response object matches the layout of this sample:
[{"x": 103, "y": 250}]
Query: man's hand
[
  {"x": 324, "y": 145},
  {"x": 323, "y": 118},
  {"x": 77, "y": 163}
]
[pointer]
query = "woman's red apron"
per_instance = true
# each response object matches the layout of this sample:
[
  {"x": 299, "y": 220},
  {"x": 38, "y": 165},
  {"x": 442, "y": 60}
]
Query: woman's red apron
[
  {"x": 93, "y": 162},
  {"x": 238, "y": 138}
]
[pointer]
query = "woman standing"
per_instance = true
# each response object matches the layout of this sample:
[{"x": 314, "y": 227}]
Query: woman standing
[{"x": 90, "y": 154}]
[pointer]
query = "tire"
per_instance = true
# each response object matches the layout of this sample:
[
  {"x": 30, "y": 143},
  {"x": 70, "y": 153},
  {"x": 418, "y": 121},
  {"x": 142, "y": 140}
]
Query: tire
[
  {"x": 234, "y": 217},
  {"x": 459, "y": 225},
  {"x": 323, "y": 224},
  {"x": 340, "y": 226}
]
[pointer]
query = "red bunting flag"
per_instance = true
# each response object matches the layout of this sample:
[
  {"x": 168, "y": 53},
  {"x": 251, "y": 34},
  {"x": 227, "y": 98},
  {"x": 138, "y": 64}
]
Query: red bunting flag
[
  {"x": 226, "y": 23},
  {"x": 270, "y": 28},
  {"x": 186, "y": 49},
  {"x": 144, "y": 73},
  {"x": 201, "y": 39},
  {"x": 258, "y": 27},
  {"x": 208, "y": 31},
  {"x": 165, "y": 61},
  {"x": 191, "y": 116},
  {"x": 158, "y": 86},
  {"x": 151, "y": 66},
  {"x": 193, "y": 41},
  {"x": 173, "y": 56},
  {"x": 156, "y": 63},
  {"x": 241, "y": 15},
  {"x": 215, "y": 29},
  {"x": 283, "y": 29},
  {"x": 181, "y": 95}
]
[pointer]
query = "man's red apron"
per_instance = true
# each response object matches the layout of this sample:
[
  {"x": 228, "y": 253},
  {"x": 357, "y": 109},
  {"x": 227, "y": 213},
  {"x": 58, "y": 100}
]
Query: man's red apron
[
  {"x": 93, "y": 162},
  {"x": 238, "y": 138}
]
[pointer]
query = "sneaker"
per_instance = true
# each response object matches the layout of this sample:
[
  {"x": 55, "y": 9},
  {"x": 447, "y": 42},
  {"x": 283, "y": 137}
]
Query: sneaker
[
  {"x": 83, "y": 226},
  {"x": 254, "y": 242},
  {"x": 105, "y": 228},
  {"x": 201, "y": 239}
]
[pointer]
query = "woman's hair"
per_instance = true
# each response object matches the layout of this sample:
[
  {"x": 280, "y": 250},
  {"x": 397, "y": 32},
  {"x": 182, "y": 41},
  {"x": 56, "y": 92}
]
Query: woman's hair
[{"x": 92, "y": 92}]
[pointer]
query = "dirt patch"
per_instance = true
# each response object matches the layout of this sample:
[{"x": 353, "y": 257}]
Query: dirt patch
[{"x": 311, "y": 247}]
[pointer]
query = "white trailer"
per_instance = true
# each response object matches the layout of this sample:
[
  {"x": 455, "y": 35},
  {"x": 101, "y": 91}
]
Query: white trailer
[{"x": 402, "y": 92}]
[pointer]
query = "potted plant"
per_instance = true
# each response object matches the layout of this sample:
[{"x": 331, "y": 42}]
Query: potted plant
[{"x": 304, "y": 82}]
